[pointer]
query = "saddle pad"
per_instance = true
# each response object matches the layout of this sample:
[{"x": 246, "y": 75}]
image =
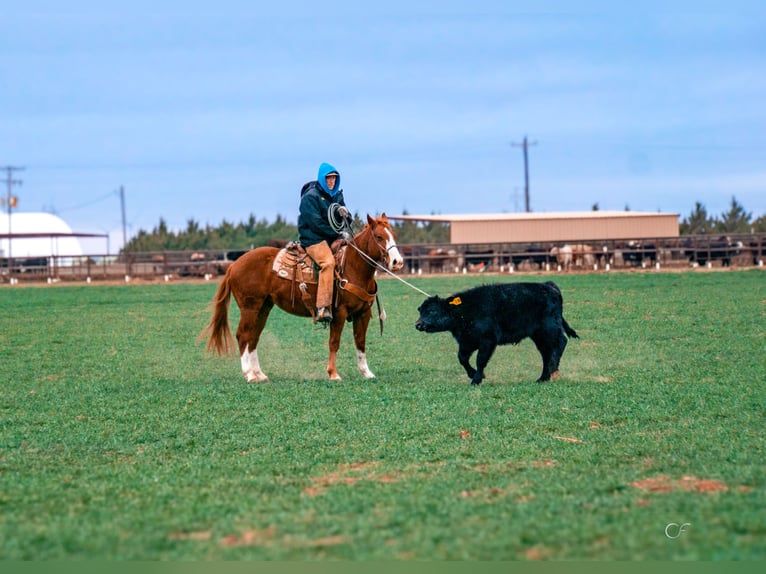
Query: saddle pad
[{"x": 288, "y": 259}]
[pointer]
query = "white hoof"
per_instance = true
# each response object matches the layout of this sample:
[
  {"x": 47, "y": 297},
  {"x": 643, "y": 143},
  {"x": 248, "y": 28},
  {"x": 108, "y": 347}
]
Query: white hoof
[
  {"x": 361, "y": 363},
  {"x": 251, "y": 367}
]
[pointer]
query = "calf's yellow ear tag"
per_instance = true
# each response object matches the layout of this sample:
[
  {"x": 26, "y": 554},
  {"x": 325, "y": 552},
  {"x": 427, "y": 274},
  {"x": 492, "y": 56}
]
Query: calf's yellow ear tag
[{"x": 456, "y": 301}]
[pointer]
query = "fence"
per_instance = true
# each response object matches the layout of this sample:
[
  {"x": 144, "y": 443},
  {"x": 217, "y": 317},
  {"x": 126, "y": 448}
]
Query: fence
[
  {"x": 744, "y": 250},
  {"x": 699, "y": 250}
]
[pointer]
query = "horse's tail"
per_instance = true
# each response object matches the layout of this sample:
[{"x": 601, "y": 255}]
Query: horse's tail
[{"x": 219, "y": 338}]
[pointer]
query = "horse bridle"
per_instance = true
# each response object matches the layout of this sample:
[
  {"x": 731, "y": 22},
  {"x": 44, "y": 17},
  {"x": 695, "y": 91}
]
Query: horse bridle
[
  {"x": 381, "y": 248},
  {"x": 375, "y": 264}
]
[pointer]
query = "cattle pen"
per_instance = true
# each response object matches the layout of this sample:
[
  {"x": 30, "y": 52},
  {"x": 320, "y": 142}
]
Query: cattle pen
[
  {"x": 741, "y": 251},
  {"x": 682, "y": 252},
  {"x": 584, "y": 240}
]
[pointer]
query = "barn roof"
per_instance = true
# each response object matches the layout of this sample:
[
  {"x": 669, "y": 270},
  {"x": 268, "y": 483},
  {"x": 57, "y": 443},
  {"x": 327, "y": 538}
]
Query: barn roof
[{"x": 535, "y": 215}]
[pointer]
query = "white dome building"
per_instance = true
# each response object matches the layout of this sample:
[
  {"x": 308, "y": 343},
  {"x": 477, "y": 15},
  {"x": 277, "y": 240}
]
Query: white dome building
[{"x": 37, "y": 235}]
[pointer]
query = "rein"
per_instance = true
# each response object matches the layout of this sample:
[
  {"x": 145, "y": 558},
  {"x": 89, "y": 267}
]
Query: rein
[
  {"x": 377, "y": 265},
  {"x": 339, "y": 224}
]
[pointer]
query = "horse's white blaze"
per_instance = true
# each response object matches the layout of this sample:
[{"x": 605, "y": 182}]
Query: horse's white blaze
[
  {"x": 251, "y": 367},
  {"x": 361, "y": 362},
  {"x": 395, "y": 260}
]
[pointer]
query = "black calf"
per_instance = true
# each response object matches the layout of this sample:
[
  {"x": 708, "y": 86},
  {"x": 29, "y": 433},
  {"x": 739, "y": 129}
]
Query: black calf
[{"x": 484, "y": 317}]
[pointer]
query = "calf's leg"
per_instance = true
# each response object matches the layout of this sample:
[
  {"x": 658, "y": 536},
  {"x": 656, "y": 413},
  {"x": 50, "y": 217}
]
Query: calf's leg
[
  {"x": 543, "y": 344},
  {"x": 464, "y": 356},
  {"x": 482, "y": 358},
  {"x": 551, "y": 343},
  {"x": 558, "y": 351}
]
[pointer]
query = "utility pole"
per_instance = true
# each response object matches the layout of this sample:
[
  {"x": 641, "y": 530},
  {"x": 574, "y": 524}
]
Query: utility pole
[
  {"x": 11, "y": 202},
  {"x": 124, "y": 232},
  {"x": 124, "y": 227},
  {"x": 525, "y": 144}
]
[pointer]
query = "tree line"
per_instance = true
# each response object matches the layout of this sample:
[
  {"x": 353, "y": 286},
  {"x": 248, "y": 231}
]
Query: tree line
[{"x": 256, "y": 232}]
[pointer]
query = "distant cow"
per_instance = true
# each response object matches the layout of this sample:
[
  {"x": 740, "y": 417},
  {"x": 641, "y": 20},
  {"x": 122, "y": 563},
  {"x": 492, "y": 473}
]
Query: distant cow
[
  {"x": 532, "y": 257},
  {"x": 568, "y": 256},
  {"x": 441, "y": 259},
  {"x": 563, "y": 256},
  {"x": 723, "y": 249},
  {"x": 490, "y": 315},
  {"x": 582, "y": 255},
  {"x": 636, "y": 253}
]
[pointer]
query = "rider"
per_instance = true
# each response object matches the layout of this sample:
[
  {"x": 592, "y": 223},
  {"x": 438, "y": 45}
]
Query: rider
[{"x": 316, "y": 234}]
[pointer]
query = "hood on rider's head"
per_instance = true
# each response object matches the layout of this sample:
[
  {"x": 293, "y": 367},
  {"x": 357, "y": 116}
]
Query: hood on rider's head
[{"x": 324, "y": 169}]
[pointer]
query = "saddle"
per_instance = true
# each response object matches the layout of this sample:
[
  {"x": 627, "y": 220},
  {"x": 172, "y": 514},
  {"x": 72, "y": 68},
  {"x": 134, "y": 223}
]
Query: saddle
[{"x": 292, "y": 263}]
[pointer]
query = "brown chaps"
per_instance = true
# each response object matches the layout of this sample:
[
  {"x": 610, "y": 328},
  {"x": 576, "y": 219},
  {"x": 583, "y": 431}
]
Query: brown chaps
[{"x": 323, "y": 256}]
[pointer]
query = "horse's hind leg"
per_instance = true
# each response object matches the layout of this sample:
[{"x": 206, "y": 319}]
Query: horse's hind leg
[{"x": 251, "y": 323}]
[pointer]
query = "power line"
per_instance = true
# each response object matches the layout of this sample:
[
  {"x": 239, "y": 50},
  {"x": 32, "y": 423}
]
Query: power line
[
  {"x": 87, "y": 203},
  {"x": 525, "y": 144}
]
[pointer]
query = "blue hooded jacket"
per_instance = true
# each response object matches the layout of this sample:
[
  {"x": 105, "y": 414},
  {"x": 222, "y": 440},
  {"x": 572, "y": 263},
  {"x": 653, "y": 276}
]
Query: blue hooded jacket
[
  {"x": 324, "y": 169},
  {"x": 313, "y": 226}
]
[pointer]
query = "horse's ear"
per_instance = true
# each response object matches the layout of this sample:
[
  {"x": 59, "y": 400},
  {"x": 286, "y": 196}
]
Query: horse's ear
[
  {"x": 370, "y": 220},
  {"x": 383, "y": 216}
]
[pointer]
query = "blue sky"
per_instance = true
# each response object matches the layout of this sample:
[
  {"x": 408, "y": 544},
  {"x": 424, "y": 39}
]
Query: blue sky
[{"x": 213, "y": 111}]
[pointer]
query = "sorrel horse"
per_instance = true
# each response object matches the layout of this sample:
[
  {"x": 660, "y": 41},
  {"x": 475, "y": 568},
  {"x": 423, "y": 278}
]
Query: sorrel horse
[{"x": 257, "y": 288}]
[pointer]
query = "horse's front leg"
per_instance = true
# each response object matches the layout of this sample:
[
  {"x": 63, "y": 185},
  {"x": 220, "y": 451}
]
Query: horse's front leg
[
  {"x": 336, "y": 329},
  {"x": 361, "y": 322}
]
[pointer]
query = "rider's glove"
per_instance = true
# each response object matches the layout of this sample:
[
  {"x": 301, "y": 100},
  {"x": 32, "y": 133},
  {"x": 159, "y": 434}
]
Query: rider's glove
[
  {"x": 344, "y": 212},
  {"x": 345, "y": 234}
]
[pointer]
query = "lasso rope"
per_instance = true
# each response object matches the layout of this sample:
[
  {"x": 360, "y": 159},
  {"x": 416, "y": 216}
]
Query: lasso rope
[
  {"x": 340, "y": 224},
  {"x": 336, "y": 220}
]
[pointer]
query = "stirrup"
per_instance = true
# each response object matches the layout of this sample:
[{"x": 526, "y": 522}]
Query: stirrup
[{"x": 324, "y": 315}]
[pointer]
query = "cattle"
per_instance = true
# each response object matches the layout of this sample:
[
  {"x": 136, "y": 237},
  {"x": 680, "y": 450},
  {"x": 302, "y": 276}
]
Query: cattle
[
  {"x": 478, "y": 261},
  {"x": 756, "y": 251},
  {"x": 441, "y": 260},
  {"x": 411, "y": 255},
  {"x": 636, "y": 253},
  {"x": 484, "y": 317},
  {"x": 723, "y": 249},
  {"x": 568, "y": 256},
  {"x": 582, "y": 255},
  {"x": 563, "y": 256},
  {"x": 533, "y": 256}
]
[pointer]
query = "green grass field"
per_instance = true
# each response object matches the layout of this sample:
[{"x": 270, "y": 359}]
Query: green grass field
[{"x": 120, "y": 438}]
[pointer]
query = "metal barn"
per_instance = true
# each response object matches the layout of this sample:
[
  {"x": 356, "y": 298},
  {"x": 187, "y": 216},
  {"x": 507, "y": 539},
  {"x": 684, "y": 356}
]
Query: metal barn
[{"x": 547, "y": 227}]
